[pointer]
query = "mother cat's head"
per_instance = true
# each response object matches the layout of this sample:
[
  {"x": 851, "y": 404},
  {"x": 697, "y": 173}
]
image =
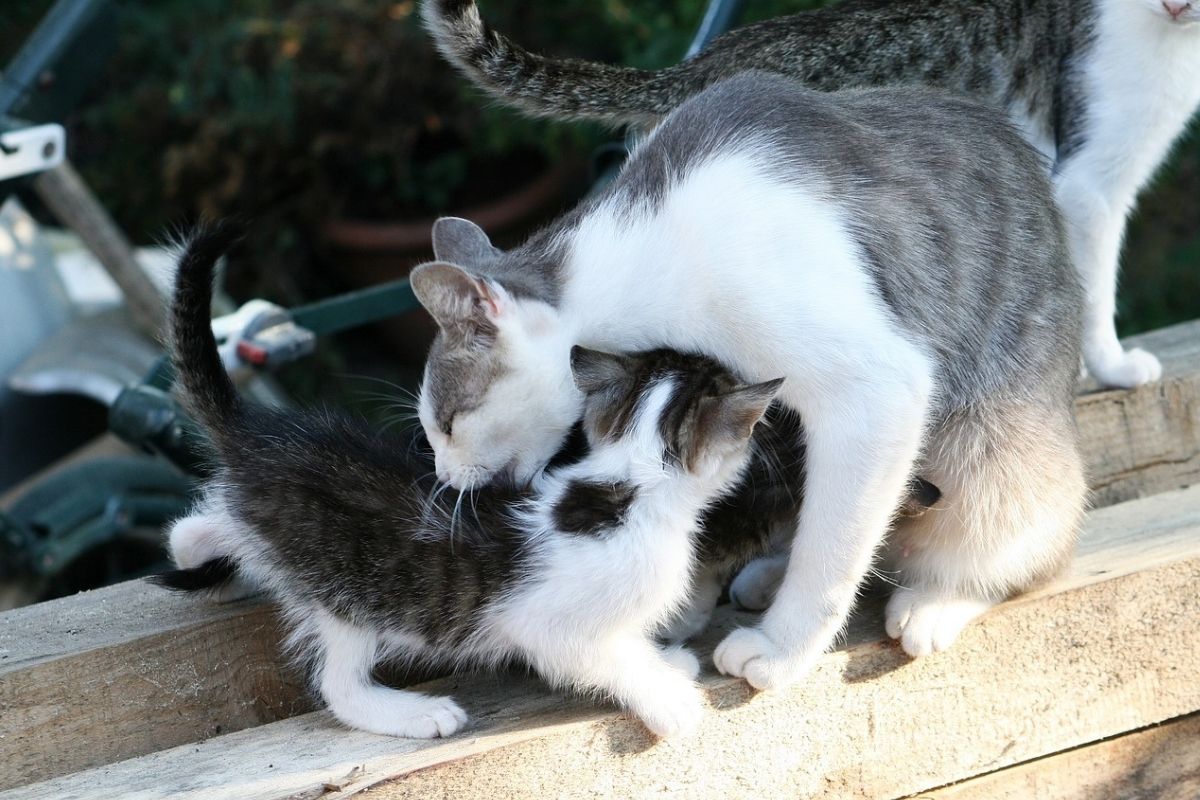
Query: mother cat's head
[{"x": 497, "y": 399}]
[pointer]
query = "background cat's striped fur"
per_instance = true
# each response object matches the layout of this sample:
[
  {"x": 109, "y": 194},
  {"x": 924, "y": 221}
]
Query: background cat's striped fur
[{"x": 1101, "y": 87}]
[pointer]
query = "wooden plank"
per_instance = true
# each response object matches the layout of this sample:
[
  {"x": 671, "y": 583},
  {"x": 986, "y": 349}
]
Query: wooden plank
[
  {"x": 1158, "y": 763},
  {"x": 1153, "y": 429},
  {"x": 129, "y": 669},
  {"x": 1109, "y": 648},
  {"x": 1147, "y": 440}
]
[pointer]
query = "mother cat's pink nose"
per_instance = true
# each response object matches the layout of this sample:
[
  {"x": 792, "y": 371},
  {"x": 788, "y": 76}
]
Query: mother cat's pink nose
[{"x": 1176, "y": 7}]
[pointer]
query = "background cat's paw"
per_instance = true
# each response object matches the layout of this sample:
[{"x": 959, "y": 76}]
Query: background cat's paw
[
  {"x": 683, "y": 660},
  {"x": 749, "y": 653},
  {"x": 755, "y": 586},
  {"x": 1126, "y": 369},
  {"x": 675, "y": 711},
  {"x": 926, "y": 623}
]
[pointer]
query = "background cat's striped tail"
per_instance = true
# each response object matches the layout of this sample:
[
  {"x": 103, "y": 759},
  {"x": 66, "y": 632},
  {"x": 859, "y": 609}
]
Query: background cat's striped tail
[
  {"x": 207, "y": 390},
  {"x": 549, "y": 87},
  {"x": 209, "y": 575}
]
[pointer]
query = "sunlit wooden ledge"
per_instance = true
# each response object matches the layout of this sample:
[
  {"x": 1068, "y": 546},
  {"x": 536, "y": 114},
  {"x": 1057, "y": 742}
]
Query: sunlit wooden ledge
[{"x": 129, "y": 691}]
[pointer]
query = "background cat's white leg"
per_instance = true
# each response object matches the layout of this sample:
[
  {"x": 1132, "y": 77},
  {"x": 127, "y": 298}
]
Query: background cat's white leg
[
  {"x": 1096, "y": 227},
  {"x": 347, "y": 656},
  {"x": 863, "y": 435},
  {"x": 1012, "y": 499},
  {"x": 637, "y": 674},
  {"x": 755, "y": 586},
  {"x": 702, "y": 599}
]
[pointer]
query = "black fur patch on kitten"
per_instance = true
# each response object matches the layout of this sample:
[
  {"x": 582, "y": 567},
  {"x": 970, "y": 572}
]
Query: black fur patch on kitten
[
  {"x": 588, "y": 508},
  {"x": 208, "y": 575}
]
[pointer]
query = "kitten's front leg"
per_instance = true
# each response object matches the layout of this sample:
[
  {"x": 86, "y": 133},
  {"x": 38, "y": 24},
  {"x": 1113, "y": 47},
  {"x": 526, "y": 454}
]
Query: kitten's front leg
[
  {"x": 861, "y": 447},
  {"x": 655, "y": 684},
  {"x": 347, "y": 655},
  {"x": 1095, "y": 228}
]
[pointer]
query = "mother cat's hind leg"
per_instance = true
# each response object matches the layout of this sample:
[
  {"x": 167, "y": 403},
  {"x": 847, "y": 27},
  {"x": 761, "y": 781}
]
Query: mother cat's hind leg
[
  {"x": 345, "y": 656},
  {"x": 1013, "y": 495}
]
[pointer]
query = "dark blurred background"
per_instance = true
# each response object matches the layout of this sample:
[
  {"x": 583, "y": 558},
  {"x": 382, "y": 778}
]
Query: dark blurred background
[{"x": 337, "y": 130}]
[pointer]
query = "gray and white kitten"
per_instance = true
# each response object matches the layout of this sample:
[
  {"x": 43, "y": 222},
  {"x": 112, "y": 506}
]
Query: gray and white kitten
[
  {"x": 574, "y": 578},
  {"x": 895, "y": 254},
  {"x": 1101, "y": 87}
]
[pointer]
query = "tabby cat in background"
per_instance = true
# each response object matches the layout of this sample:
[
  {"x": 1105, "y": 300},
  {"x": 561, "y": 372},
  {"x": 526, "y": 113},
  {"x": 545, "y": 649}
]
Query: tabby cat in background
[{"x": 1101, "y": 87}]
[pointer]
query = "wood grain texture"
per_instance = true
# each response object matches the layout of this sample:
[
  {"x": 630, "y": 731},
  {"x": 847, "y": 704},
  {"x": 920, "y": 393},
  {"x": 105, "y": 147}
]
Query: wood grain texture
[
  {"x": 1158, "y": 763},
  {"x": 130, "y": 669},
  {"x": 1146, "y": 440},
  {"x": 1111, "y": 647}
]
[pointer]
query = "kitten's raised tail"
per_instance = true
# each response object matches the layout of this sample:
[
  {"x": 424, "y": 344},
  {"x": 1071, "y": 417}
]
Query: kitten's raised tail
[
  {"x": 207, "y": 390},
  {"x": 549, "y": 87},
  {"x": 209, "y": 575}
]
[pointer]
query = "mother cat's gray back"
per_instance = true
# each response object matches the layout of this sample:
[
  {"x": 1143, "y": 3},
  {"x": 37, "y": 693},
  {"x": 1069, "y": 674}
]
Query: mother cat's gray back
[{"x": 951, "y": 207}]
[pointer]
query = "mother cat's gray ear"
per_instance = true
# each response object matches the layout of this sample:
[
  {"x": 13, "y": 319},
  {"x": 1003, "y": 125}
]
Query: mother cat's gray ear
[
  {"x": 462, "y": 242},
  {"x": 455, "y": 298},
  {"x": 595, "y": 371}
]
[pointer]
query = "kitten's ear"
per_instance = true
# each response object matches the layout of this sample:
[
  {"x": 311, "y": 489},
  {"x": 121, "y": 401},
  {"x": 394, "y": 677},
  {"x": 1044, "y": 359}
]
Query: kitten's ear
[
  {"x": 456, "y": 298},
  {"x": 595, "y": 371},
  {"x": 460, "y": 241},
  {"x": 734, "y": 414}
]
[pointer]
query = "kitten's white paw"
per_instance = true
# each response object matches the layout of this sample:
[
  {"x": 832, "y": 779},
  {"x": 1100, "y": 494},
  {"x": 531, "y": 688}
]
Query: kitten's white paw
[
  {"x": 675, "y": 711},
  {"x": 749, "y": 653},
  {"x": 409, "y": 715},
  {"x": 195, "y": 540},
  {"x": 756, "y": 585},
  {"x": 1125, "y": 369},
  {"x": 926, "y": 623},
  {"x": 683, "y": 660}
]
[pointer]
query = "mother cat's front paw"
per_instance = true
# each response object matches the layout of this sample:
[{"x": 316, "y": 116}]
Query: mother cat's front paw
[
  {"x": 751, "y": 654},
  {"x": 1124, "y": 369},
  {"x": 926, "y": 623}
]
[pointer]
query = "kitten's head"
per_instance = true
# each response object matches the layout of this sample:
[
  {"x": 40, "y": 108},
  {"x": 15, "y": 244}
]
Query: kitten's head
[
  {"x": 1176, "y": 12},
  {"x": 660, "y": 414},
  {"x": 497, "y": 398}
]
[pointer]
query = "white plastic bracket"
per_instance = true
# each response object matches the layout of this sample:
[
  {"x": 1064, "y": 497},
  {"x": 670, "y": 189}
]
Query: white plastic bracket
[{"x": 32, "y": 149}]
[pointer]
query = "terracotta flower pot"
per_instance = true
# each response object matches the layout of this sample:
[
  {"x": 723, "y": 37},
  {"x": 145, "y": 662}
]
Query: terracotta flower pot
[{"x": 369, "y": 253}]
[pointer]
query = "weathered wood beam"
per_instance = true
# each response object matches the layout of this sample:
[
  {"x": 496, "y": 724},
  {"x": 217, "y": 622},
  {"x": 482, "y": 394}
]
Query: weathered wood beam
[
  {"x": 131, "y": 636},
  {"x": 1108, "y": 648},
  {"x": 1157, "y": 763},
  {"x": 130, "y": 669}
]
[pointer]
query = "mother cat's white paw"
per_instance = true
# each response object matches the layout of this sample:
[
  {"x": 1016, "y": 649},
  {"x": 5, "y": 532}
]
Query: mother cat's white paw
[
  {"x": 755, "y": 586},
  {"x": 751, "y": 654},
  {"x": 1125, "y": 369},
  {"x": 927, "y": 623}
]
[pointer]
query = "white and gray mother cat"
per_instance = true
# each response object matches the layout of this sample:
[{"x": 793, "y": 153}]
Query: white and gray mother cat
[
  {"x": 1101, "y": 87},
  {"x": 895, "y": 254}
]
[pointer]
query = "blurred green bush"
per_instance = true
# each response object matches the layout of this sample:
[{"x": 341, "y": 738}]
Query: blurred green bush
[{"x": 294, "y": 112}]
